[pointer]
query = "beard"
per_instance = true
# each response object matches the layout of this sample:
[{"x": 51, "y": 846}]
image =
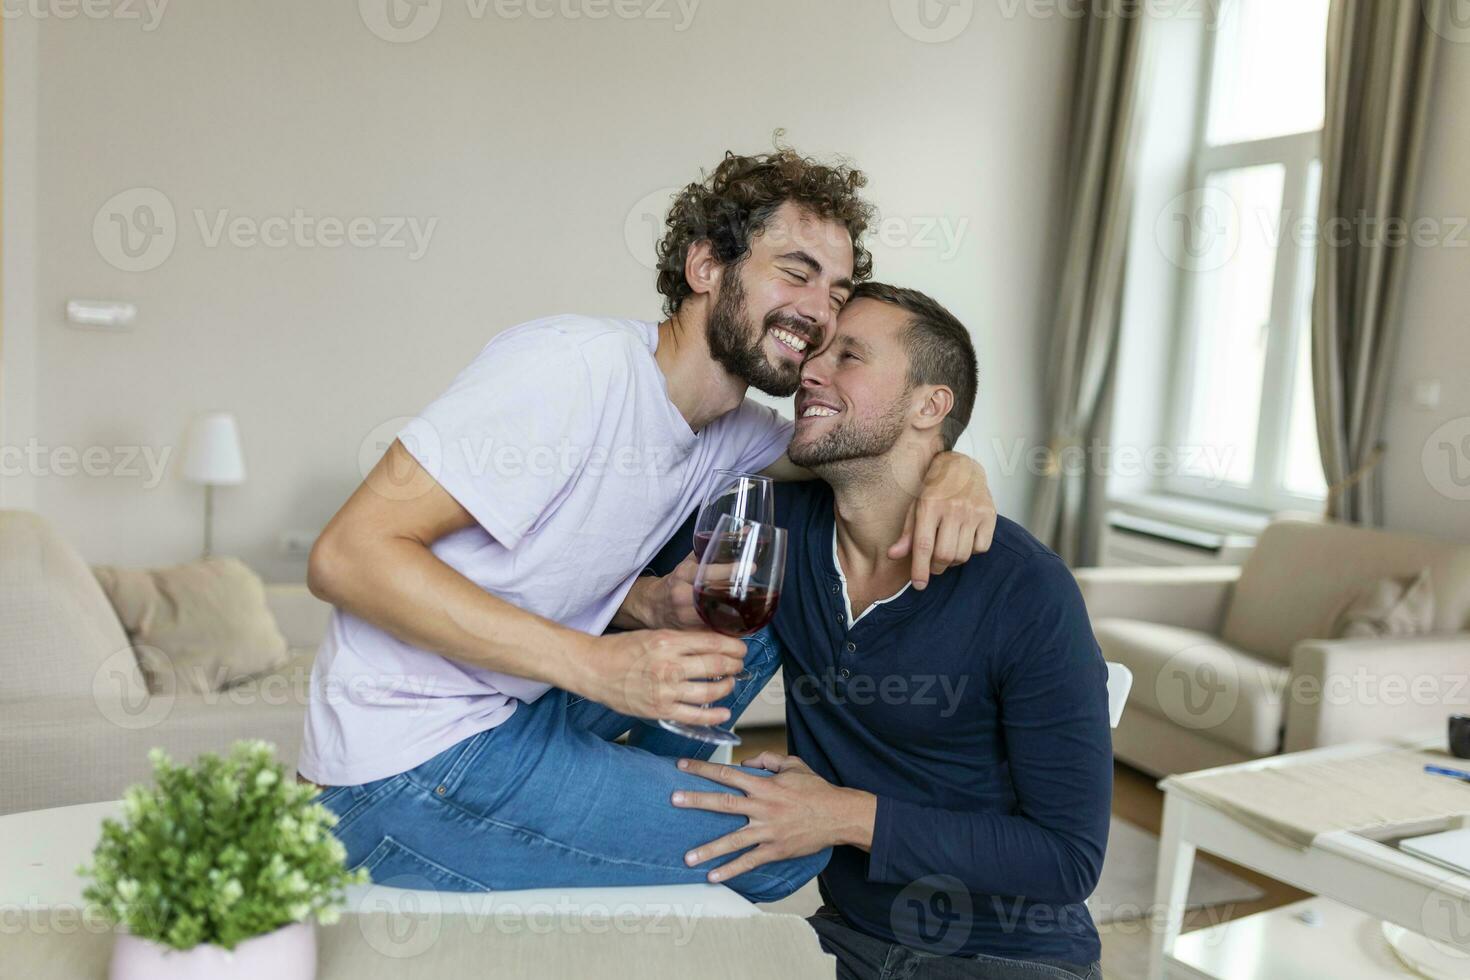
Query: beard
[
  {"x": 851, "y": 440},
  {"x": 736, "y": 345}
]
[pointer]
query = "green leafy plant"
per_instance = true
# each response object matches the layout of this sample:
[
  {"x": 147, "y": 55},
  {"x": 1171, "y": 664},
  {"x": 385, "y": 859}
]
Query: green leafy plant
[{"x": 219, "y": 852}]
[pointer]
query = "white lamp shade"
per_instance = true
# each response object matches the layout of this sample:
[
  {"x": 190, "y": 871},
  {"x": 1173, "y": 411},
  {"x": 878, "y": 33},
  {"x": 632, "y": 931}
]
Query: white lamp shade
[{"x": 212, "y": 452}]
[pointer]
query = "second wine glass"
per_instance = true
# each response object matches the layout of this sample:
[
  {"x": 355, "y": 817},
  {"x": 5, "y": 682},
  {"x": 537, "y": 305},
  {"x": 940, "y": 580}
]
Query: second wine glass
[{"x": 736, "y": 591}]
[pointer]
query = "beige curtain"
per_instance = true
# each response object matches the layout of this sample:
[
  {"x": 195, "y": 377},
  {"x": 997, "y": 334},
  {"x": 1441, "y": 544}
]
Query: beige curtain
[
  {"x": 1380, "y": 64},
  {"x": 1085, "y": 327}
]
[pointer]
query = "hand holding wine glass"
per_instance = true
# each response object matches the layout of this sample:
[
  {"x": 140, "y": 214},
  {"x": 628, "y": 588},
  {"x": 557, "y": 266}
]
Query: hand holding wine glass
[{"x": 736, "y": 590}]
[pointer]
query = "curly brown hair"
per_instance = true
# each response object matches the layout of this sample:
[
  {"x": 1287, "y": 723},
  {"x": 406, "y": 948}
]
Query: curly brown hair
[{"x": 732, "y": 204}]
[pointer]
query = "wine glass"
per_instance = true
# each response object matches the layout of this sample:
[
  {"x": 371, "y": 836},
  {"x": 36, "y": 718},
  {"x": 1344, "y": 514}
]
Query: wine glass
[
  {"x": 735, "y": 592},
  {"x": 738, "y": 494},
  {"x": 746, "y": 495}
]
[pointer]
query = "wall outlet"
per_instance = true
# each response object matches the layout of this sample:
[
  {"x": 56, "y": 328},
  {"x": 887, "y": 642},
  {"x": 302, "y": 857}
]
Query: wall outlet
[
  {"x": 1426, "y": 394},
  {"x": 296, "y": 545}
]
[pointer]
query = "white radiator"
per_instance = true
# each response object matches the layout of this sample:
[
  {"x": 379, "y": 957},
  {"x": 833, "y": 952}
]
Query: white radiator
[{"x": 1129, "y": 539}]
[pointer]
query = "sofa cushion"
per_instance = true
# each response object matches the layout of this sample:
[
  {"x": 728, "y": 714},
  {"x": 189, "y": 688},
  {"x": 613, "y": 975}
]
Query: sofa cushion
[
  {"x": 58, "y": 635},
  {"x": 197, "y": 627},
  {"x": 1302, "y": 575},
  {"x": 1198, "y": 682},
  {"x": 1391, "y": 607}
]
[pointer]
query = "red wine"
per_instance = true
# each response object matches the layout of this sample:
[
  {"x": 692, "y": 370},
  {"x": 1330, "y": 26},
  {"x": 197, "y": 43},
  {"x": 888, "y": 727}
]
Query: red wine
[
  {"x": 735, "y": 615},
  {"x": 701, "y": 542}
]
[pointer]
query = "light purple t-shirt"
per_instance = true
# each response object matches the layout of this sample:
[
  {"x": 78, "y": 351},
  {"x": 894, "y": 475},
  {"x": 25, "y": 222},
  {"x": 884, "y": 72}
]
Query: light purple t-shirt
[{"x": 560, "y": 439}]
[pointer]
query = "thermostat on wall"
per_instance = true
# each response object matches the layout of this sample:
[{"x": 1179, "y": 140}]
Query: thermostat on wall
[{"x": 100, "y": 313}]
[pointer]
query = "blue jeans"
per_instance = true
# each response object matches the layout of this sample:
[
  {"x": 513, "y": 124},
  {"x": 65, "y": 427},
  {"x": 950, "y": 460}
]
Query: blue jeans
[{"x": 547, "y": 799}]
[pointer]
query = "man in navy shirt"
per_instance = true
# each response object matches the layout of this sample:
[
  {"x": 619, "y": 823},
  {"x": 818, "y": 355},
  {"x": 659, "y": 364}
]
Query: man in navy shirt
[{"x": 951, "y": 743}]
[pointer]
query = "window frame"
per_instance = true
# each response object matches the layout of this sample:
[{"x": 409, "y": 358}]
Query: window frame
[{"x": 1296, "y": 153}]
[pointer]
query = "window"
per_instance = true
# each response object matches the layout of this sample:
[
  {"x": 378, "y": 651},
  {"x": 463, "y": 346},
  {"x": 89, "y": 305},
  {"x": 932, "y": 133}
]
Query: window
[{"x": 1242, "y": 400}]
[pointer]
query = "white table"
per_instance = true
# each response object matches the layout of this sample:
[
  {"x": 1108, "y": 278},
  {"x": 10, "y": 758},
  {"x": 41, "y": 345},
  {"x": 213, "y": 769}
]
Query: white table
[
  {"x": 40, "y": 851},
  {"x": 1362, "y": 873}
]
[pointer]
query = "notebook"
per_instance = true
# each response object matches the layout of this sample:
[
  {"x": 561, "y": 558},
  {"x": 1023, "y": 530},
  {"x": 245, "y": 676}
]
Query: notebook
[{"x": 1450, "y": 849}]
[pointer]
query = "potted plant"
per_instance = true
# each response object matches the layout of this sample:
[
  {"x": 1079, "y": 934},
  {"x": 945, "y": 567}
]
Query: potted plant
[{"x": 217, "y": 871}]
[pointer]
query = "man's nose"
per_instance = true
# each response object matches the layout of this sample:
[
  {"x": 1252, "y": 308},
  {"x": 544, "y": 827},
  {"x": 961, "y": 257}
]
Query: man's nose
[{"x": 816, "y": 312}]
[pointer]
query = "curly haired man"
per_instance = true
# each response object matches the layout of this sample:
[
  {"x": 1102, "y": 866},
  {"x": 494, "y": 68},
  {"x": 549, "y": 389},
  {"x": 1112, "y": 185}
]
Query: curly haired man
[{"x": 466, "y": 699}]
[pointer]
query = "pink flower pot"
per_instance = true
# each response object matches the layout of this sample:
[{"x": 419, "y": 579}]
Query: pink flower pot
[{"x": 289, "y": 953}]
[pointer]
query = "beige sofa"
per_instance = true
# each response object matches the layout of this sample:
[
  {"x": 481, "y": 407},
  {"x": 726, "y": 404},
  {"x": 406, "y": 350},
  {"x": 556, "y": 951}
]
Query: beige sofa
[
  {"x": 1237, "y": 663},
  {"x": 76, "y": 721}
]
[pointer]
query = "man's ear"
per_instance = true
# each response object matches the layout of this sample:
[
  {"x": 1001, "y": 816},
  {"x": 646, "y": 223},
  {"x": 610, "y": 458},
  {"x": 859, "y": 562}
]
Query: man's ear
[
  {"x": 936, "y": 402},
  {"x": 702, "y": 270}
]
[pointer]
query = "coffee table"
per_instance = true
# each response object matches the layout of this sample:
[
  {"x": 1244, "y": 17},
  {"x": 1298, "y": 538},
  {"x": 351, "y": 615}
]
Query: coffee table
[{"x": 1360, "y": 869}]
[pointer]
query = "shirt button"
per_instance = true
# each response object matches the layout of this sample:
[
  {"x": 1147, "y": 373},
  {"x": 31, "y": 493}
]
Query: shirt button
[
  {"x": 844, "y": 672},
  {"x": 836, "y": 590},
  {"x": 441, "y": 790},
  {"x": 851, "y": 647}
]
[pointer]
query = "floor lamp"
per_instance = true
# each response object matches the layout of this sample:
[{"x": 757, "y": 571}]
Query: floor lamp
[{"x": 213, "y": 457}]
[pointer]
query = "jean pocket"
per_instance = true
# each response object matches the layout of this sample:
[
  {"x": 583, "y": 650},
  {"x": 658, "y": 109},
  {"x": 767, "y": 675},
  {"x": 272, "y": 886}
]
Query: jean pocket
[
  {"x": 334, "y": 798},
  {"x": 396, "y": 865},
  {"x": 1001, "y": 968}
]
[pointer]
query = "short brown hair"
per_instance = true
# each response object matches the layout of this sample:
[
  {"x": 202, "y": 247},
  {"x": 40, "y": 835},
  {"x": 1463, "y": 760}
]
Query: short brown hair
[
  {"x": 939, "y": 348},
  {"x": 732, "y": 204}
]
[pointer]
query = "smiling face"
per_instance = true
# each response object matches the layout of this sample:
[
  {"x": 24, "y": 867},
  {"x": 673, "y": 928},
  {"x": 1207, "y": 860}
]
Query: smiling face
[
  {"x": 781, "y": 299},
  {"x": 855, "y": 397}
]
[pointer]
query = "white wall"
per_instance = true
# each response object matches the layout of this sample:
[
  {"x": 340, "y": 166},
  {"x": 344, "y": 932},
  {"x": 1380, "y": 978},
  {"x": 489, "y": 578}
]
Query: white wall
[
  {"x": 1427, "y": 486},
  {"x": 532, "y": 143}
]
